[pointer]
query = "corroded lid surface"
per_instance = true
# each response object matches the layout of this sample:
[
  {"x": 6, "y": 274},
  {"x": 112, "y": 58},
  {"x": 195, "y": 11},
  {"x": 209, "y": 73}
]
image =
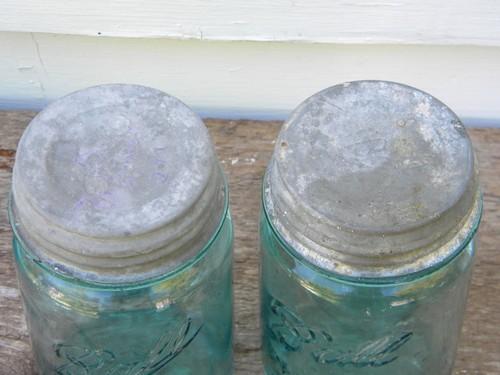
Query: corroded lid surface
[
  {"x": 118, "y": 182},
  {"x": 372, "y": 178}
]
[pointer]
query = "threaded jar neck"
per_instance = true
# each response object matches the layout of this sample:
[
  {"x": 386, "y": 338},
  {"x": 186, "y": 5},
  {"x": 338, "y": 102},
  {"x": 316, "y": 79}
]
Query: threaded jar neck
[
  {"x": 117, "y": 183},
  {"x": 373, "y": 179}
]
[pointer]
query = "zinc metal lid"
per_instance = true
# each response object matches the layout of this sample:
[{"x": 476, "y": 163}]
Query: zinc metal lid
[
  {"x": 117, "y": 183},
  {"x": 373, "y": 179}
]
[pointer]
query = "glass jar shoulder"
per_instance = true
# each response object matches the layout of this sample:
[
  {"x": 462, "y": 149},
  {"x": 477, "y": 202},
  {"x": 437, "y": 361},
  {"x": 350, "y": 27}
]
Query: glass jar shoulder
[
  {"x": 279, "y": 259},
  {"x": 319, "y": 322},
  {"x": 37, "y": 279}
]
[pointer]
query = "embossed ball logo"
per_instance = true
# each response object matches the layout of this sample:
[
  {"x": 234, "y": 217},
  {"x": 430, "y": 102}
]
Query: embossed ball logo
[{"x": 84, "y": 361}]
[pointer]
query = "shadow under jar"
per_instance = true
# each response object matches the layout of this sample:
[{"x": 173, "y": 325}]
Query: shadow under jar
[
  {"x": 122, "y": 237},
  {"x": 370, "y": 207}
]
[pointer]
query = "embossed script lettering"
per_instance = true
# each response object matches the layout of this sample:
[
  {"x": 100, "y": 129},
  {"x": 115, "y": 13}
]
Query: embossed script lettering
[
  {"x": 290, "y": 332},
  {"x": 90, "y": 361}
]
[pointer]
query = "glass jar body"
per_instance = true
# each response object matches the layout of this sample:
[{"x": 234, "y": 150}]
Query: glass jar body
[
  {"x": 180, "y": 323},
  {"x": 316, "y": 323}
]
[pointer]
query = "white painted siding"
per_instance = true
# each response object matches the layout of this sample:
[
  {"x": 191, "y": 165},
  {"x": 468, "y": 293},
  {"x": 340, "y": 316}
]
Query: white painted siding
[
  {"x": 332, "y": 21},
  {"x": 257, "y": 59},
  {"x": 243, "y": 79}
]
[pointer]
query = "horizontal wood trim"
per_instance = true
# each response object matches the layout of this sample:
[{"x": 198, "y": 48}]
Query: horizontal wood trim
[{"x": 324, "y": 21}]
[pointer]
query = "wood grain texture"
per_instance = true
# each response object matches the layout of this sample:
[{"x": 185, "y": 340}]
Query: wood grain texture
[
  {"x": 244, "y": 147},
  {"x": 349, "y": 21}
]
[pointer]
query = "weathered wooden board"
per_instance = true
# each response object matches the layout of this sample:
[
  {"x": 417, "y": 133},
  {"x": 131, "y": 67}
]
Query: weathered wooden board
[{"x": 244, "y": 147}]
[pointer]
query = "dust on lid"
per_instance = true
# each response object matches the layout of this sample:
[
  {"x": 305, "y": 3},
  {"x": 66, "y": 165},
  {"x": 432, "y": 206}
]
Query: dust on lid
[
  {"x": 372, "y": 178},
  {"x": 116, "y": 177}
]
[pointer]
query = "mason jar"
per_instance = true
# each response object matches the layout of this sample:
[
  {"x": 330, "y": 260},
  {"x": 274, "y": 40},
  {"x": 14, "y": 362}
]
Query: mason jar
[
  {"x": 122, "y": 237},
  {"x": 370, "y": 207}
]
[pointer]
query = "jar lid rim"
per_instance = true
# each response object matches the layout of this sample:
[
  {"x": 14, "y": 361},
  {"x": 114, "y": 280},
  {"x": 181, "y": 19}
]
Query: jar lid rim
[
  {"x": 118, "y": 181},
  {"x": 372, "y": 175}
]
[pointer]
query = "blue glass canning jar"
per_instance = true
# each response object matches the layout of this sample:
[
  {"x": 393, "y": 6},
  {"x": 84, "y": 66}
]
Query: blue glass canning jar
[
  {"x": 370, "y": 208},
  {"x": 122, "y": 237}
]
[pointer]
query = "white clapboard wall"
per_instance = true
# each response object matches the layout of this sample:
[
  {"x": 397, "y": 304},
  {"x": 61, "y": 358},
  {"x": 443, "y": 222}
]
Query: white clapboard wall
[{"x": 254, "y": 59}]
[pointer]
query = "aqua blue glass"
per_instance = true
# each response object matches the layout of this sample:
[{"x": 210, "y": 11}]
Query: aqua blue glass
[
  {"x": 123, "y": 237},
  {"x": 317, "y": 323},
  {"x": 179, "y": 323},
  {"x": 370, "y": 206}
]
